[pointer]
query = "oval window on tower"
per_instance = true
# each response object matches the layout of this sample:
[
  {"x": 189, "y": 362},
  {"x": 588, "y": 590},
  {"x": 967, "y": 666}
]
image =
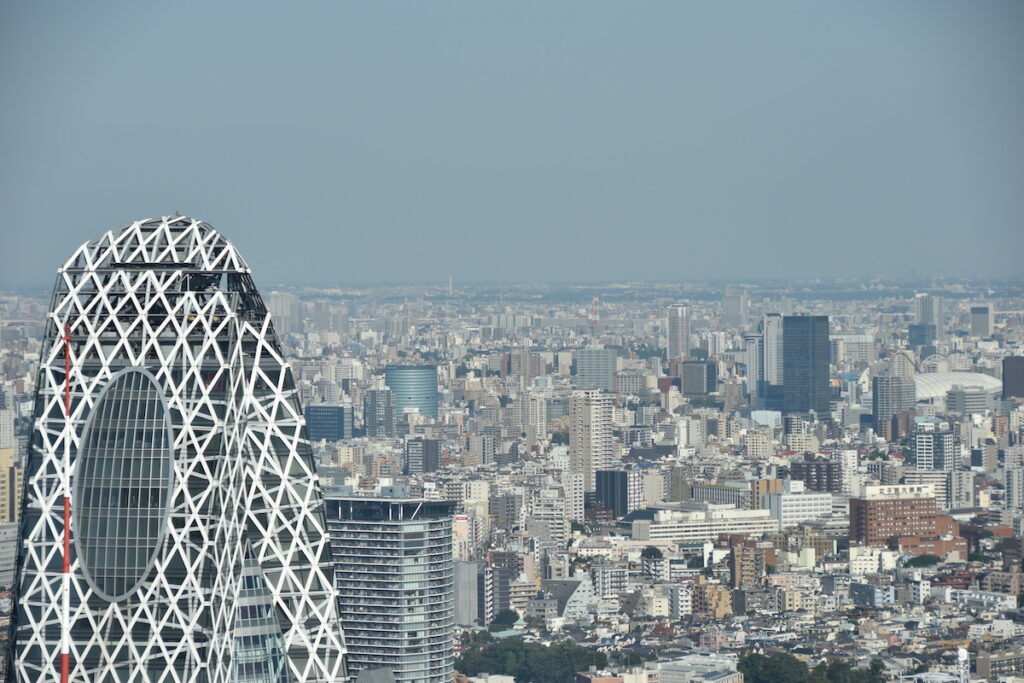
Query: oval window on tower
[{"x": 123, "y": 485}]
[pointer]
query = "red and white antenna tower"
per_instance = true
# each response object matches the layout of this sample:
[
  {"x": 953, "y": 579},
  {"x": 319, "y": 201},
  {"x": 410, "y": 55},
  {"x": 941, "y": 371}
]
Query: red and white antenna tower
[{"x": 65, "y": 650}]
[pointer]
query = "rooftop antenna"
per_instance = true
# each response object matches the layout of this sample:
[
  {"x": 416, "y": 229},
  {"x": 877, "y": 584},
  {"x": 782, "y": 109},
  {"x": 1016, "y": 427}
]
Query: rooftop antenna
[{"x": 65, "y": 649}]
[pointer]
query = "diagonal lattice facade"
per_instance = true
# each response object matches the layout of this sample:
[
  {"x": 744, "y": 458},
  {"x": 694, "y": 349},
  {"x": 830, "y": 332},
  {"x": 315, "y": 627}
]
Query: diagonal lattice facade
[{"x": 168, "y": 432}]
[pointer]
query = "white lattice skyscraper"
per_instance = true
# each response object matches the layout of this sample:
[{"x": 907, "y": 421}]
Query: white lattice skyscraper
[{"x": 173, "y": 526}]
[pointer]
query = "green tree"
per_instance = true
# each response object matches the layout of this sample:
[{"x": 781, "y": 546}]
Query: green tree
[
  {"x": 651, "y": 553},
  {"x": 876, "y": 672},
  {"x": 785, "y": 667},
  {"x": 511, "y": 661},
  {"x": 758, "y": 668},
  {"x": 644, "y": 352},
  {"x": 924, "y": 560},
  {"x": 504, "y": 620},
  {"x": 530, "y": 662},
  {"x": 839, "y": 671},
  {"x": 702, "y": 402}
]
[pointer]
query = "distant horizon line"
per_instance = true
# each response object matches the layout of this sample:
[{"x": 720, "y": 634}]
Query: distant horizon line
[{"x": 698, "y": 282}]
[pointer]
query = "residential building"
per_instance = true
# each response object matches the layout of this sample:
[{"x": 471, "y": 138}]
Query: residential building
[
  {"x": 422, "y": 455},
  {"x": 379, "y": 418},
  {"x": 893, "y": 392},
  {"x": 935, "y": 446},
  {"x": 712, "y": 600},
  {"x": 11, "y": 485},
  {"x": 1000, "y": 664},
  {"x": 590, "y": 435},
  {"x": 678, "y": 331},
  {"x": 595, "y": 369},
  {"x": 818, "y": 474},
  {"x": 396, "y": 589},
  {"x": 8, "y": 555},
  {"x": 7, "y": 439},
  {"x": 771, "y": 393},
  {"x": 747, "y": 565},
  {"x": 621, "y": 491},
  {"x": 928, "y": 310}
]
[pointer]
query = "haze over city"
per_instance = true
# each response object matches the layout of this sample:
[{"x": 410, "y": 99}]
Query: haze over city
[{"x": 394, "y": 142}]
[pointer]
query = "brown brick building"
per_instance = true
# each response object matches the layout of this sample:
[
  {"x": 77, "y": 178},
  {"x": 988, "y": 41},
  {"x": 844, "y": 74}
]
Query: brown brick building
[{"x": 885, "y": 513}]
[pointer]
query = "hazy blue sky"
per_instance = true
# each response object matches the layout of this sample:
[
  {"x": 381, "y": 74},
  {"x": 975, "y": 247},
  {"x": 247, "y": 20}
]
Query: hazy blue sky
[{"x": 380, "y": 141}]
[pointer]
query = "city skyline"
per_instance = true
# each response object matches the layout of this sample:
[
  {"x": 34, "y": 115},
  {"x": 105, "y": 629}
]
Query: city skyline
[
  {"x": 585, "y": 466},
  {"x": 526, "y": 144},
  {"x": 574, "y": 342}
]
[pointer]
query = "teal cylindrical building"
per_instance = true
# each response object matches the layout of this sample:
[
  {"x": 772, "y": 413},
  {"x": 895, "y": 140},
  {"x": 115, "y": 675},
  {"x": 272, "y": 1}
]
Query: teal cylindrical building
[{"x": 413, "y": 386}]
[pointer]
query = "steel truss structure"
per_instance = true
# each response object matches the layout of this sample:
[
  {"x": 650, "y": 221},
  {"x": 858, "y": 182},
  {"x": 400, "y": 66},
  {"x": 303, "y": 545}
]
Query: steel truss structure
[{"x": 173, "y": 527}]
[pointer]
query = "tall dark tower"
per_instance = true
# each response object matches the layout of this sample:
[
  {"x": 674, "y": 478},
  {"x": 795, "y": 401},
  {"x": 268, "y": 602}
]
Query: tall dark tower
[
  {"x": 1013, "y": 377},
  {"x": 805, "y": 354}
]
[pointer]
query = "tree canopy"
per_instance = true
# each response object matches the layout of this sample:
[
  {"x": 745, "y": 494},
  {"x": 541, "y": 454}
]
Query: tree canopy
[
  {"x": 504, "y": 619},
  {"x": 785, "y": 667},
  {"x": 529, "y": 662},
  {"x": 924, "y": 561}
]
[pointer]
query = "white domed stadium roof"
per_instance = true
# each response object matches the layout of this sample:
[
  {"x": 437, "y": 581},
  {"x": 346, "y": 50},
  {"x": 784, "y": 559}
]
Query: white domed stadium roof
[{"x": 932, "y": 385}]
